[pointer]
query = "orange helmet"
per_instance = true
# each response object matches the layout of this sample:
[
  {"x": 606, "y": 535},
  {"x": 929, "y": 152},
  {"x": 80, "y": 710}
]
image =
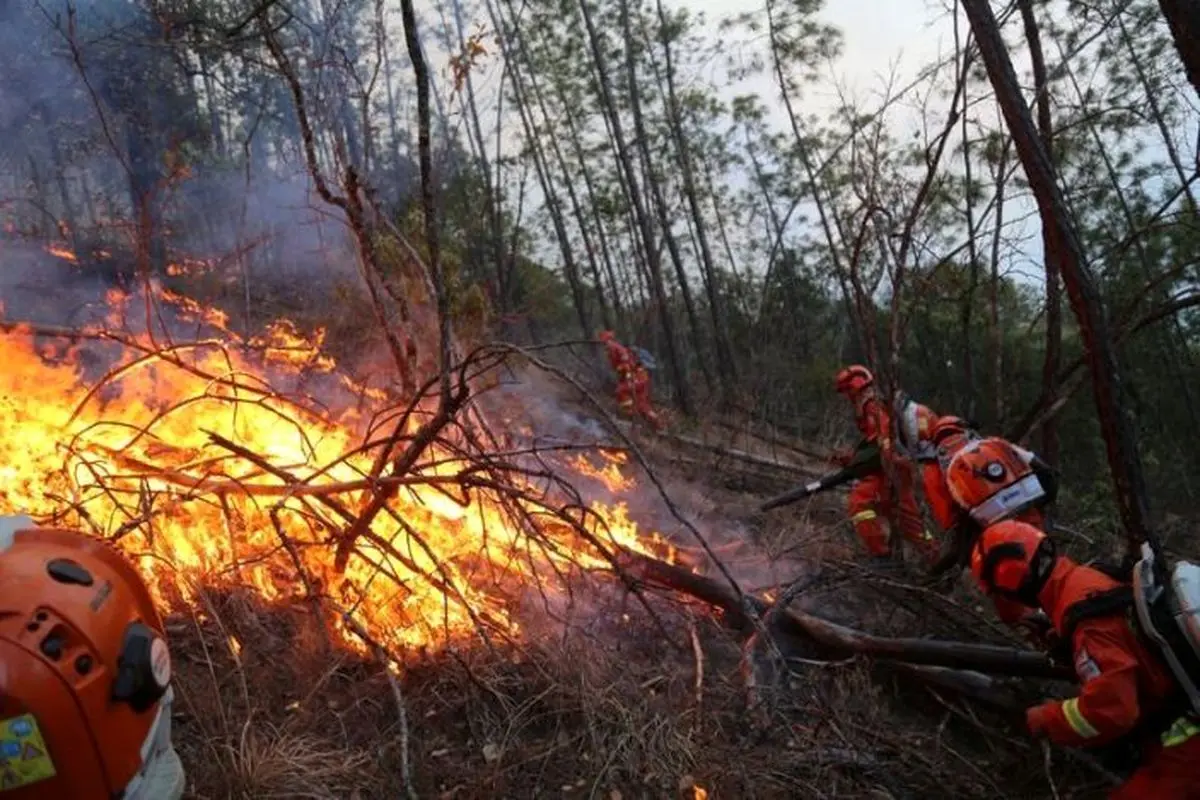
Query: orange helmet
[
  {"x": 853, "y": 379},
  {"x": 1012, "y": 561},
  {"x": 85, "y": 690},
  {"x": 992, "y": 480}
]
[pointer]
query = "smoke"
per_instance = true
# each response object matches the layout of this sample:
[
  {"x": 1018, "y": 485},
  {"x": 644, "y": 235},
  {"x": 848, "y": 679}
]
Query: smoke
[{"x": 539, "y": 412}]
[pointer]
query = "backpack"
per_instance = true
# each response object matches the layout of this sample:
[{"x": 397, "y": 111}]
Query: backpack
[{"x": 1166, "y": 615}]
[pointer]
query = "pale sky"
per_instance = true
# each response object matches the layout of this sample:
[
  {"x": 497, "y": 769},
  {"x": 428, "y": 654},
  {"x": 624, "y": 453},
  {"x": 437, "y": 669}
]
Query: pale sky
[{"x": 881, "y": 40}]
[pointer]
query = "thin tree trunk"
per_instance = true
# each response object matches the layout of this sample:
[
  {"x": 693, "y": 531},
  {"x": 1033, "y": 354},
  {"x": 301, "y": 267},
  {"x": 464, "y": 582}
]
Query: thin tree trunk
[
  {"x": 1123, "y": 456},
  {"x": 544, "y": 178},
  {"x": 994, "y": 333},
  {"x": 572, "y": 196},
  {"x": 653, "y": 263},
  {"x": 653, "y": 185},
  {"x": 726, "y": 366},
  {"x": 590, "y": 189},
  {"x": 479, "y": 144},
  {"x": 968, "y": 307},
  {"x": 1052, "y": 251}
]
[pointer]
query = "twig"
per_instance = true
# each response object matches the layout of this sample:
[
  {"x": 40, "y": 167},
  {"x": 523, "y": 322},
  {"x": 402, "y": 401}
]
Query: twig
[{"x": 386, "y": 660}]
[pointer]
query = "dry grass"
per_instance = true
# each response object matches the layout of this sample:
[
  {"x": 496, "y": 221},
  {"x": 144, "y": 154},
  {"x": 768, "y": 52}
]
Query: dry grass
[{"x": 602, "y": 708}]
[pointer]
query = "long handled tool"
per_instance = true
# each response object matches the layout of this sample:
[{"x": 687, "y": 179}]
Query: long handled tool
[{"x": 865, "y": 461}]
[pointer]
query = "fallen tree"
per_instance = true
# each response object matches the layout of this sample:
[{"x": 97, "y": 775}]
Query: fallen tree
[{"x": 830, "y": 640}]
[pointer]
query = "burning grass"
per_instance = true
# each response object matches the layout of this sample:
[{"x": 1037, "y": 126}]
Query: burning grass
[
  {"x": 253, "y": 461},
  {"x": 302, "y": 527}
]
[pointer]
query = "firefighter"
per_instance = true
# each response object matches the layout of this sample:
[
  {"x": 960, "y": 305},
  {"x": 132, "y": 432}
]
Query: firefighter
[
  {"x": 947, "y": 436},
  {"x": 85, "y": 697},
  {"x": 928, "y": 439},
  {"x": 871, "y": 496},
  {"x": 979, "y": 481},
  {"x": 633, "y": 380},
  {"x": 1126, "y": 688}
]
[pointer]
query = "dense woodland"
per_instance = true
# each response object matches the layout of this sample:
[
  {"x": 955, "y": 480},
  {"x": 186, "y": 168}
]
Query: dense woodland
[{"x": 600, "y": 164}]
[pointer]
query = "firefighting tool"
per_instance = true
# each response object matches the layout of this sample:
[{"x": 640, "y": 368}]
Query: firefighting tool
[
  {"x": 85, "y": 697},
  {"x": 866, "y": 460},
  {"x": 993, "y": 479},
  {"x": 914, "y": 427},
  {"x": 644, "y": 357}
]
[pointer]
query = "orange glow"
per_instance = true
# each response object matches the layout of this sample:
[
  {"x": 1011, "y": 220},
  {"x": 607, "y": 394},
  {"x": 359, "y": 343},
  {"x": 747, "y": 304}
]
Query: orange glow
[
  {"x": 63, "y": 252},
  {"x": 610, "y": 474},
  {"x": 133, "y": 459}
]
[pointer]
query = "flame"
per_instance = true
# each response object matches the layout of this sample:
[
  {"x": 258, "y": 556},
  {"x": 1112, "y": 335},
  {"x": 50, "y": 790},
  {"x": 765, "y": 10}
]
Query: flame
[
  {"x": 698, "y": 793},
  {"x": 128, "y": 455},
  {"x": 63, "y": 252},
  {"x": 191, "y": 267},
  {"x": 610, "y": 474}
]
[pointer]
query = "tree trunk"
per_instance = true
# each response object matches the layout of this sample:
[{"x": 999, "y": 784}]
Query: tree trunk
[
  {"x": 653, "y": 185},
  {"x": 1052, "y": 252},
  {"x": 653, "y": 262},
  {"x": 1183, "y": 18},
  {"x": 995, "y": 337},
  {"x": 479, "y": 145},
  {"x": 572, "y": 195},
  {"x": 553, "y": 205},
  {"x": 1123, "y": 456},
  {"x": 726, "y": 366}
]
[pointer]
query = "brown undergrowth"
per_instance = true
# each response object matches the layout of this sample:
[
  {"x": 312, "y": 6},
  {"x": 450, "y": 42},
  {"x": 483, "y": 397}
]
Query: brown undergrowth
[{"x": 600, "y": 706}]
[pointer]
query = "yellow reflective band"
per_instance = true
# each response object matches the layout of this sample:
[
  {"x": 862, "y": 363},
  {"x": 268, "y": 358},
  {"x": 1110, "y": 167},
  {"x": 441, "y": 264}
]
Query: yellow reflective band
[
  {"x": 863, "y": 516},
  {"x": 1180, "y": 731},
  {"x": 1076, "y": 719}
]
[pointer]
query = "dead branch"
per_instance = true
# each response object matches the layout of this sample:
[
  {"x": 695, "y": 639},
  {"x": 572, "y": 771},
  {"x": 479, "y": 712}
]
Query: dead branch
[{"x": 836, "y": 641}]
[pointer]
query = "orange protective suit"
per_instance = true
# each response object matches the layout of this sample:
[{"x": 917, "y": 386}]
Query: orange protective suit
[
  {"x": 870, "y": 498},
  {"x": 633, "y": 382},
  {"x": 1123, "y": 687}
]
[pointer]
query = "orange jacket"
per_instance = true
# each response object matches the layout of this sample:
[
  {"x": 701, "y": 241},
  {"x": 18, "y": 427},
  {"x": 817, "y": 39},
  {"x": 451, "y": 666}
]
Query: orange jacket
[
  {"x": 620, "y": 358},
  {"x": 1120, "y": 680},
  {"x": 872, "y": 418}
]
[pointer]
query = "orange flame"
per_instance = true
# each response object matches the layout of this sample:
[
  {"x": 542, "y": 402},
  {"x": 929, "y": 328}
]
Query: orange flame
[
  {"x": 63, "y": 252},
  {"x": 133, "y": 460}
]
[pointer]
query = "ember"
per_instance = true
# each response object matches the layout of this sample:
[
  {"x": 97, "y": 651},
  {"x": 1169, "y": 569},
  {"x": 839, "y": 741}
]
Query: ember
[{"x": 192, "y": 459}]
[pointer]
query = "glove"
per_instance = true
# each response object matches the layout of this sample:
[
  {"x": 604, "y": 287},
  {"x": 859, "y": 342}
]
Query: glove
[
  {"x": 1037, "y": 630},
  {"x": 1036, "y": 719},
  {"x": 841, "y": 458}
]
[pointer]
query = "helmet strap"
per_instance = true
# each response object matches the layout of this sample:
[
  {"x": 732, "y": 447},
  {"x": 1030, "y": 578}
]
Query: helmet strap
[{"x": 1040, "y": 567}]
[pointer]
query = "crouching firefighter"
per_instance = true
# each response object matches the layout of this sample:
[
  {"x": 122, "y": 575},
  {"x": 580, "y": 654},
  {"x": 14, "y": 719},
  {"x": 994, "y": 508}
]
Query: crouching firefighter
[
  {"x": 982, "y": 481},
  {"x": 1135, "y": 647},
  {"x": 85, "y": 697},
  {"x": 871, "y": 496}
]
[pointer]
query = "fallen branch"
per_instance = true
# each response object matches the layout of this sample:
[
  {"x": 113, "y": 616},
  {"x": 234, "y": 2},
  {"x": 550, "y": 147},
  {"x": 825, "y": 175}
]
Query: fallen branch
[{"x": 837, "y": 641}]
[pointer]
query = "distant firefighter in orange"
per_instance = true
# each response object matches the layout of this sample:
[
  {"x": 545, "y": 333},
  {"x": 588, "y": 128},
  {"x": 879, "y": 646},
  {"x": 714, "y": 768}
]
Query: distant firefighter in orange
[
  {"x": 870, "y": 498},
  {"x": 633, "y": 380}
]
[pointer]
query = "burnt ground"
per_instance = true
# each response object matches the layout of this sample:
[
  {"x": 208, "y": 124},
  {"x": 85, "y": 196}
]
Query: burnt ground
[{"x": 620, "y": 703}]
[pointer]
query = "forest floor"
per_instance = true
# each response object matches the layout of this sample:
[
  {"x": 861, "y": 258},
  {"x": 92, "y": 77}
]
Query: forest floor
[{"x": 621, "y": 703}]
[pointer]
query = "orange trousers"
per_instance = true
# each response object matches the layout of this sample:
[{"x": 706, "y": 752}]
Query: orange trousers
[
  {"x": 633, "y": 396},
  {"x": 1166, "y": 773},
  {"x": 870, "y": 504}
]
